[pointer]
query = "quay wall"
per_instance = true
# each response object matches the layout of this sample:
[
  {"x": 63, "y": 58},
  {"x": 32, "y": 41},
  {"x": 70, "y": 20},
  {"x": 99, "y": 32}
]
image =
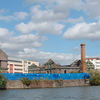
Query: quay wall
[
  {"x": 17, "y": 84},
  {"x": 46, "y": 80}
]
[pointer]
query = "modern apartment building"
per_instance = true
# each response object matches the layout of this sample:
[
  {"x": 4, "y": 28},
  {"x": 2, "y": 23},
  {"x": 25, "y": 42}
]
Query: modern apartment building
[
  {"x": 95, "y": 62},
  {"x": 19, "y": 66}
]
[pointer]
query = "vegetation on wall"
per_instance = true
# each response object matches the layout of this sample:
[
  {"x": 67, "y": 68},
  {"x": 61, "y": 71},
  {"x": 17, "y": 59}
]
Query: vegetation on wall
[
  {"x": 26, "y": 81},
  {"x": 36, "y": 81},
  {"x": 95, "y": 78},
  {"x": 90, "y": 65},
  {"x": 59, "y": 82},
  {"x": 3, "y": 82},
  {"x": 33, "y": 68}
]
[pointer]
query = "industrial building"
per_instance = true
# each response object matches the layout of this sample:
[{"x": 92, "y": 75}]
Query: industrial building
[{"x": 51, "y": 67}]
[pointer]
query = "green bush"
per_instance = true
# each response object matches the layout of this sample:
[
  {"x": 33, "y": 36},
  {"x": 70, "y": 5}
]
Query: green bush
[
  {"x": 3, "y": 70},
  {"x": 95, "y": 78},
  {"x": 36, "y": 81},
  {"x": 26, "y": 81},
  {"x": 59, "y": 82},
  {"x": 3, "y": 82}
]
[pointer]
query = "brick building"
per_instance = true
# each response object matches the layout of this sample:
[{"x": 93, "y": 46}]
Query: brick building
[
  {"x": 51, "y": 67},
  {"x": 3, "y": 59}
]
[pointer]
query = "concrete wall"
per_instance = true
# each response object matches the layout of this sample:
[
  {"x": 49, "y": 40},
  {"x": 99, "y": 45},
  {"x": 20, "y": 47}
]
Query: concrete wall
[{"x": 46, "y": 84}]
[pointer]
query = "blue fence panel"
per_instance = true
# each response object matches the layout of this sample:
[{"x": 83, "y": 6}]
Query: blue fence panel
[{"x": 31, "y": 76}]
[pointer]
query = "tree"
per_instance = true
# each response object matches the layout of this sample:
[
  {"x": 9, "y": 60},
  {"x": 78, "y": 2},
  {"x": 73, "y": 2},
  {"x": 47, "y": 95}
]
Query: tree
[
  {"x": 90, "y": 65},
  {"x": 3, "y": 82}
]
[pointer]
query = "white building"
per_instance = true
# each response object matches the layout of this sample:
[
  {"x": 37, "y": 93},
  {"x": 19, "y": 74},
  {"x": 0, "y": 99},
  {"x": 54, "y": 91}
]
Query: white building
[
  {"x": 95, "y": 61},
  {"x": 19, "y": 66}
]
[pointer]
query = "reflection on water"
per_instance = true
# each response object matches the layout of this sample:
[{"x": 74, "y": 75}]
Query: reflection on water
[{"x": 70, "y": 93}]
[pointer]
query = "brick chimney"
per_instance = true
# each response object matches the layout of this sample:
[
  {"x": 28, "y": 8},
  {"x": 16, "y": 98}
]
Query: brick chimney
[{"x": 83, "y": 62}]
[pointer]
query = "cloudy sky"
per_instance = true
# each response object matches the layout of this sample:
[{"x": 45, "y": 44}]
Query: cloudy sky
[{"x": 43, "y": 29}]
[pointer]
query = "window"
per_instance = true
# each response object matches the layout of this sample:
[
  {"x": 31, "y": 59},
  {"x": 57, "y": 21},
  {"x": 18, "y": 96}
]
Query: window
[
  {"x": 97, "y": 62},
  {"x": 18, "y": 69},
  {"x": 18, "y": 65},
  {"x": 97, "y": 65},
  {"x": 29, "y": 62},
  {"x": 17, "y": 72}
]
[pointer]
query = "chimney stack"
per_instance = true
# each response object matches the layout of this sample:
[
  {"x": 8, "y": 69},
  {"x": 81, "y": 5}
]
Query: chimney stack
[{"x": 83, "y": 60}]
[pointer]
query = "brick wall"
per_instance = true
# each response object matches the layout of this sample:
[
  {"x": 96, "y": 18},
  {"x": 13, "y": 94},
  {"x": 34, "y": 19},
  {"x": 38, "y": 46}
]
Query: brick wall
[{"x": 46, "y": 84}]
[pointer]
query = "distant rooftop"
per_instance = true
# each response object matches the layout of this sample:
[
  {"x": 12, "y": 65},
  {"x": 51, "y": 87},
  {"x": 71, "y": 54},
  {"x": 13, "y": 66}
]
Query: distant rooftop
[{"x": 93, "y": 58}]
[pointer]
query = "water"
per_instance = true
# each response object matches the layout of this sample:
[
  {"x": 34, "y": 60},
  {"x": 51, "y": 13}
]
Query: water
[{"x": 70, "y": 93}]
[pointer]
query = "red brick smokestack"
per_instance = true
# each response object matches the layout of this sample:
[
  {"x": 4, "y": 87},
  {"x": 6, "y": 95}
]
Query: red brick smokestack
[{"x": 83, "y": 62}]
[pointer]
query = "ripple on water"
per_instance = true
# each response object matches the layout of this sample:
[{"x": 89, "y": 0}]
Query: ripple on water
[{"x": 71, "y": 93}]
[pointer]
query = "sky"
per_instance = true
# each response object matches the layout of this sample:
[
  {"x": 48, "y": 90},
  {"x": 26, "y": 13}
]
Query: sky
[{"x": 40, "y": 30}]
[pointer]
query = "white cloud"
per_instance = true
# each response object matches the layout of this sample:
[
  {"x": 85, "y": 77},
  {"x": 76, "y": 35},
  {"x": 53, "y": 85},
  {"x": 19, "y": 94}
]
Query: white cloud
[
  {"x": 15, "y": 16},
  {"x": 6, "y": 18},
  {"x": 91, "y": 7},
  {"x": 2, "y": 11},
  {"x": 20, "y": 15},
  {"x": 65, "y": 5},
  {"x": 43, "y": 27},
  {"x": 75, "y": 20},
  {"x": 40, "y": 1},
  {"x": 27, "y": 38},
  {"x": 4, "y": 34},
  {"x": 44, "y": 56},
  {"x": 61, "y": 5},
  {"x": 24, "y": 28},
  {"x": 39, "y": 15},
  {"x": 76, "y": 49},
  {"x": 54, "y": 9},
  {"x": 13, "y": 44},
  {"x": 43, "y": 21},
  {"x": 23, "y": 41},
  {"x": 47, "y": 18},
  {"x": 84, "y": 31},
  {"x": 24, "y": 46}
]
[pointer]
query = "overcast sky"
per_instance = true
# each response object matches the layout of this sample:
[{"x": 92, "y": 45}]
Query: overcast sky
[{"x": 42, "y": 29}]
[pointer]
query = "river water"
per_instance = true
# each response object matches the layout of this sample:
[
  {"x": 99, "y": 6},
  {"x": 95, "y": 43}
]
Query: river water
[{"x": 70, "y": 93}]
